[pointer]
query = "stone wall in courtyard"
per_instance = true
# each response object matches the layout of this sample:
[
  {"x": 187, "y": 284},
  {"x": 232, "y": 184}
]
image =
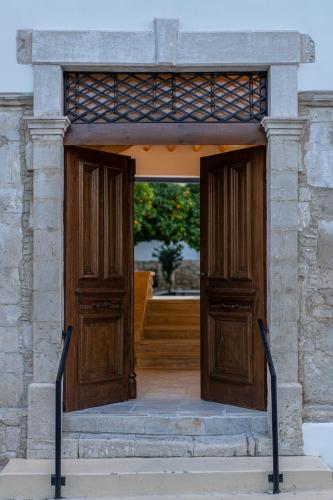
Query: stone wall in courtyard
[
  {"x": 186, "y": 277},
  {"x": 316, "y": 256},
  {"x": 15, "y": 275}
]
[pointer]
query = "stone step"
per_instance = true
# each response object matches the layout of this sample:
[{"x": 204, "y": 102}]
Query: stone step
[
  {"x": 171, "y": 354},
  {"x": 174, "y": 347},
  {"x": 151, "y": 477},
  {"x": 159, "y": 446},
  {"x": 166, "y": 332},
  {"x": 176, "y": 425}
]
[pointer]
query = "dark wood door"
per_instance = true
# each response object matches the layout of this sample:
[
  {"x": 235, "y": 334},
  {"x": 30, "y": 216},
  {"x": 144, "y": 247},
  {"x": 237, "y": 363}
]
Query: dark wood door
[
  {"x": 233, "y": 284},
  {"x": 99, "y": 278}
]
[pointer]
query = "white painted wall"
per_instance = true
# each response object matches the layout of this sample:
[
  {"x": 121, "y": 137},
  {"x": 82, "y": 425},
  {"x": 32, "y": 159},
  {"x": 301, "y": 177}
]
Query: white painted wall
[
  {"x": 313, "y": 17},
  {"x": 318, "y": 440},
  {"x": 143, "y": 251}
]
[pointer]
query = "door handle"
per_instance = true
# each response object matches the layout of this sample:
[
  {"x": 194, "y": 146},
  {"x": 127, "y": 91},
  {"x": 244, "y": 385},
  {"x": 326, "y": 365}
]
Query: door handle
[{"x": 203, "y": 275}]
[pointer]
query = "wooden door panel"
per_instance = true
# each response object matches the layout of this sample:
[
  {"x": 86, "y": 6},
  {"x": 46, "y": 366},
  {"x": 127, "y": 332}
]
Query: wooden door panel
[
  {"x": 98, "y": 276},
  {"x": 89, "y": 220},
  {"x": 230, "y": 337},
  {"x": 100, "y": 348},
  {"x": 113, "y": 224},
  {"x": 233, "y": 277}
]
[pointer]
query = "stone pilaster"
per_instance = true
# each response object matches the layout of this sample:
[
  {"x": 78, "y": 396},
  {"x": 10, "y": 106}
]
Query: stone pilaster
[
  {"x": 283, "y": 157},
  {"x": 48, "y": 196}
]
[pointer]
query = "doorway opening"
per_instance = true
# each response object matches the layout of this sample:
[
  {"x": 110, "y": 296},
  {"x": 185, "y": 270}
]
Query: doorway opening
[{"x": 165, "y": 274}]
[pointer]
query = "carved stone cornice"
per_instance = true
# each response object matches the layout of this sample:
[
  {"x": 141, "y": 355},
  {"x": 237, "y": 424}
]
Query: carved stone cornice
[
  {"x": 287, "y": 127},
  {"x": 51, "y": 126}
]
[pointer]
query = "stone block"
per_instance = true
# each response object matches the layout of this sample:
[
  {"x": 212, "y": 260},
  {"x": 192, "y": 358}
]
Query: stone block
[
  {"x": 70, "y": 447},
  {"x": 283, "y": 186},
  {"x": 166, "y": 35},
  {"x": 11, "y": 362},
  {"x": 48, "y": 153},
  {"x": 304, "y": 214},
  {"x": 48, "y": 306},
  {"x": 318, "y": 166},
  {"x": 93, "y": 424},
  {"x": 10, "y": 123},
  {"x": 11, "y": 389},
  {"x": 49, "y": 184},
  {"x": 9, "y": 336},
  {"x": 227, "y": 425},
  {"x": 48, "y": 90},
  {"x": 290, "y": 417},
  {"x": 10, "y": 286},
  {"x": 45, "y": 365},
  {"x": 11, "y": 199},
  {"x": 106, "y": 446},
  {"x": 48, "y": 244},
  {"x": 173, "y": 425},
  {"x": 13, "y": 439},
  {"x": 220, "y": 446},
  {"x": 283, "y": 244},
  {"x": 283, "y": 215},
  {"x": 10, "y": 165},
  {"x": 260, "y": 425},
  {"x": 283, "y": 97},
  {"x": 163, "y": 446},
  {"x": 48, "y": 214},
  {"x": 47, "y": 275},
  {"x": 41, "y": 400},
  {"x": 325, "y": 244},
  {"x": 9, "y": 314}
]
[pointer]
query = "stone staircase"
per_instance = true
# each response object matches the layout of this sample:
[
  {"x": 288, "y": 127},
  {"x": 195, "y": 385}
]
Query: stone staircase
[
  {"x": 171, "y": 334},
  {"x": 165, "y": 429},
  {"x": 165, "y": 478}
]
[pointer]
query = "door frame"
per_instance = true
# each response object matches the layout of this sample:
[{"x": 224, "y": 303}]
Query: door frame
[{"x": 163, "y": 48}]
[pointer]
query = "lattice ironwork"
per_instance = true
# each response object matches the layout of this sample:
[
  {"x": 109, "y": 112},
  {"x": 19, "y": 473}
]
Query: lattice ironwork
[{"x": 165, "y": 97}]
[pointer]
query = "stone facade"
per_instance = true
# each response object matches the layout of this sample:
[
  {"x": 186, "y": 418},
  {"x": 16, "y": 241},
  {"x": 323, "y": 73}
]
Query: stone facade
[
  {"x": 316, "y": 256},
  {"x": 186, "y": 277},
  {"x": 299, "y": 178},
  {"x": 15, "y": 274},
  {"x": 314, "y": 347}
]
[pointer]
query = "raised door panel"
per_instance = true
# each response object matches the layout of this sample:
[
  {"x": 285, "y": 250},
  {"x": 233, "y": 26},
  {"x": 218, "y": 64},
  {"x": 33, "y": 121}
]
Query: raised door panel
[
  {"x": 113, "y": 224},
  {"x": 100, "y": 348},
  {"x": 240, "y": 222},
  {"x": 230, "y": 338},
  {"x": 89, "y": 220}
]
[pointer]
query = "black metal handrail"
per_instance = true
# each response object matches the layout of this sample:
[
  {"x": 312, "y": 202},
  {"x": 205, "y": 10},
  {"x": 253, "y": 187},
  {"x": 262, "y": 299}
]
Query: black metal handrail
[
  {"x": 57, "y": 480},
  {"x": 276, "y": 478}
]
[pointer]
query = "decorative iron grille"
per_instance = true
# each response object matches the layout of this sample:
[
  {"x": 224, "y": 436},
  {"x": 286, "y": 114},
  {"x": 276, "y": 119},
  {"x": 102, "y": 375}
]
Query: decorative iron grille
[{"x": 165, "y": 97}]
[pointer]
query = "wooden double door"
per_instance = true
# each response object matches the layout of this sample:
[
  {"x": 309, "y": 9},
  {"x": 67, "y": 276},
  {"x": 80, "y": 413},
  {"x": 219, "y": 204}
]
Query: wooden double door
[{"x": 99, "y": 277}]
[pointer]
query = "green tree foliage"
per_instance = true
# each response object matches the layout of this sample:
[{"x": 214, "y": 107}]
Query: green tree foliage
[
  {"x": 170, "y": 257},
  {"x": 167, "y": 212}
]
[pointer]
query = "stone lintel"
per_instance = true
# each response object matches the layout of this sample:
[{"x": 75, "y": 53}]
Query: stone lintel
[
  {"x": 52, "y": 126},
  {"x": 166, "y": 35},
  {"x": 164, "y": 43},
  {"x": 287, "y": 127}
]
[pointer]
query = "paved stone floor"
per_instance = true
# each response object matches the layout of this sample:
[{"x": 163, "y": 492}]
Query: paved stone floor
[{"x": 171, "y": 392}]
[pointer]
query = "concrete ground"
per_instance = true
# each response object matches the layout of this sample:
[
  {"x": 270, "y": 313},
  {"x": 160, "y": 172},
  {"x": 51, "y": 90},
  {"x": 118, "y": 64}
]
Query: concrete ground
[{"x": 308, "y": 495}]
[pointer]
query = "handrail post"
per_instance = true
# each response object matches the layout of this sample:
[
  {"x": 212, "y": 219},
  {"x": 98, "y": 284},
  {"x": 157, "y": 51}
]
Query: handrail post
[
  {"x": 276, "y": 478},
  {"x": 57, "y": 480}
]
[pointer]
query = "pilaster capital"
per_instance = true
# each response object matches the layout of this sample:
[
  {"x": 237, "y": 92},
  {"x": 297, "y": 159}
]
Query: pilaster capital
[
  {"x": 285, "y": 127},
  {"x": 52, "y": 127}
]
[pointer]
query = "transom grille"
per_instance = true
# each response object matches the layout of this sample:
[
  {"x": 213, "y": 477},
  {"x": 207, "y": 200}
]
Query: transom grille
[{"x": 165, "y": 97}]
